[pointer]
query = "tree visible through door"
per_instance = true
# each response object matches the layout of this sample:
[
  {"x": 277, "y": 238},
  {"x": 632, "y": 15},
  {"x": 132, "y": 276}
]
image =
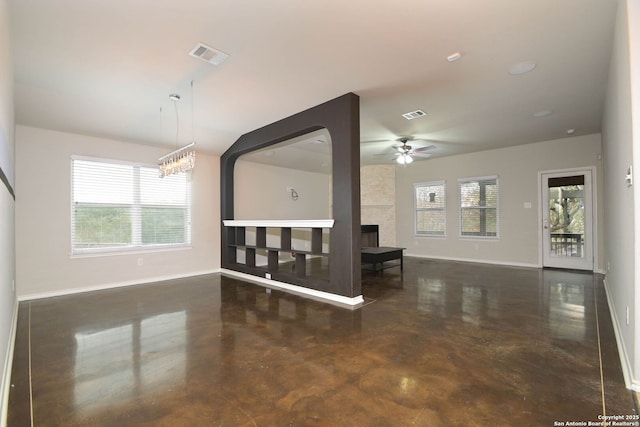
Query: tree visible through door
[
  {"x": 567, "y": 220},
  {"x": 566, "y": 215}
]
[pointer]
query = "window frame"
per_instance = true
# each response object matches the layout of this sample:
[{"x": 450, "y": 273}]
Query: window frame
[
  {"x": 136, "y": 245},
  {"x": 416, "y": 209},
  {"x": 479, "y": 235}
]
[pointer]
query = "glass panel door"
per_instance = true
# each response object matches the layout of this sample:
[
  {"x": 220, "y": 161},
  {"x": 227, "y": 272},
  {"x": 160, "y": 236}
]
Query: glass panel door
[{"x": 567, "y": 211}]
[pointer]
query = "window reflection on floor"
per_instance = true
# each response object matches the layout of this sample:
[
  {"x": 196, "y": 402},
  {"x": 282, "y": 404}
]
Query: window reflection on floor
[
  {"x": 104, "y": 367},
  {"x": 477, "y": 304},
  {"x": 566, "y": 311},
  {"x": 163, "y": 359},
  {"x": 431, "y": 296},
  {"x": 287, "y": 309},
  {"x": 114, "y": 364}
]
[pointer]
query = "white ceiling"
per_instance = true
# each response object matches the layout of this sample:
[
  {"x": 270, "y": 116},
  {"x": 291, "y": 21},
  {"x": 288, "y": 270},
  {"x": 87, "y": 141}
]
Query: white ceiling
[{"x": 106, "y": 68}]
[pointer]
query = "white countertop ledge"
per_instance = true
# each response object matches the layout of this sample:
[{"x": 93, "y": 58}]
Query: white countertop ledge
[{"x": 292, "y": 223}]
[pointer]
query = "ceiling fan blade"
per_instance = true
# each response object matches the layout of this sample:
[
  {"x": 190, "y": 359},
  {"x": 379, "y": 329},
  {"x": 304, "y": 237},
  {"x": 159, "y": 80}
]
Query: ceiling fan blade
[
  {"x": 372, "y": 141},
  {"x": 402, "y": 148},
  {"x": 417, "y": 141},
  {"x": 427, "y": 148},
  {"x": 423, "y": 155}
]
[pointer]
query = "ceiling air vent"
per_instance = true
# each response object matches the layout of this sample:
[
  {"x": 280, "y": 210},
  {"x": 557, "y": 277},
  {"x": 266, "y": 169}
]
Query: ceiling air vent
[
  {"x": 208, "y": 54},
  {"x": 414, "y": 114}
]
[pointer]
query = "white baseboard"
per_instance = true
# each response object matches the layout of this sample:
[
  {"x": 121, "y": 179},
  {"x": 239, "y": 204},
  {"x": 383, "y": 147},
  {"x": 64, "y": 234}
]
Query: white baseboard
[
  {"x": 299, "y": 290},
  {"x": 627, "y": 368},
  {"x": 322, "y": 296},
  {"x": 479, "y": 261},
  {"x": 62, "y": 292},
  {"x": 5, "y": 386}
]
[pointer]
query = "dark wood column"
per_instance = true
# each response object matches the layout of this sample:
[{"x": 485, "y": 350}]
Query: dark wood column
[{"x": 341, "y": 117}]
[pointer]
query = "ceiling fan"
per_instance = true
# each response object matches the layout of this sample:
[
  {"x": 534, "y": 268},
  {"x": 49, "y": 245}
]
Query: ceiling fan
[{"x": 405, "y": 153}]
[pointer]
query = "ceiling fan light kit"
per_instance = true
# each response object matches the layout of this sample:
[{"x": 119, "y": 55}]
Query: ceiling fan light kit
[
  {"x": 405, "y": 152},
  {"x": 404, "y": 159}
]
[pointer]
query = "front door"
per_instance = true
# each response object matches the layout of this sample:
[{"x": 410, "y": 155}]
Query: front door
[{"x": 567, "y": 220}]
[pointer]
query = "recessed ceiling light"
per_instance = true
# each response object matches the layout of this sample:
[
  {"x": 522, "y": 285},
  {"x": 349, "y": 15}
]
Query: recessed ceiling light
[
  {"x": 571, "y": 131},
  {"x": 521, "y": 68},
  {"x": 454, "y": 57},
  {"x": 543, "y": 113},
  {"x": 414, "y": 114}
]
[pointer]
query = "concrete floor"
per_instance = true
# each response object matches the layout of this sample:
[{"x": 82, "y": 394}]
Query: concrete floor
[{"x": 442, "y": 344}]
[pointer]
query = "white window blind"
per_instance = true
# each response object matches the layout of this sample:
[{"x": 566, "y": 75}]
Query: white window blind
[
  {"x": 121, "y": 206},
  {"x": 430, "y": 205},
  {"x": 478, "y": 206}
]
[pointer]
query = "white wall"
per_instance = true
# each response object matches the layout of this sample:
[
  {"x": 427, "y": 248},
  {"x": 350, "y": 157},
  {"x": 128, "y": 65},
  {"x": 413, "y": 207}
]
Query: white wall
[
  {"x": 8, "y": 304},
  {"x": 621, "y": 148},
  {"x": 260, "y": 192},
  {"x": 43, "y": 222},
  {"x": 517, "y": 169}
]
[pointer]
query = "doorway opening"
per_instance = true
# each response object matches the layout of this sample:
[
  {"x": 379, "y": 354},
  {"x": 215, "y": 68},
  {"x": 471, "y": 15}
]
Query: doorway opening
[{"x": 567, "y": 220}]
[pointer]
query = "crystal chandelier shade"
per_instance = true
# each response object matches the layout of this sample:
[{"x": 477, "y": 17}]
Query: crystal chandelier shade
[
  {"x": 178, "y": 161},
  {"x": 182, "y": 159}
]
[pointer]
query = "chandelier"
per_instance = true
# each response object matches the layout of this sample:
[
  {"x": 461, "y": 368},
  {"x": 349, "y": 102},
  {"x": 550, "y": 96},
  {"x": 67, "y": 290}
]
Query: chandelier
[{"x": 182, "y": 159}]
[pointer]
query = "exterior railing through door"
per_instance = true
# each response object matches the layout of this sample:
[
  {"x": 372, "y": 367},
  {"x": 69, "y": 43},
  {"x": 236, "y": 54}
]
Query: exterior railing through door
[{"x": 567, "y": 244}]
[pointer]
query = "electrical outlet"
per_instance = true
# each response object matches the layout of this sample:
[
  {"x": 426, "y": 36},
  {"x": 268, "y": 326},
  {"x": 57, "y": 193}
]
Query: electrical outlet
[
  {"x": 140, "y": 262},
  {"x": 267, "y": 275}
]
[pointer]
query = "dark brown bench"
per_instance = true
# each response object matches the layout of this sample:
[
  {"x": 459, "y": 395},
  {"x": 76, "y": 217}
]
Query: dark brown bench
[{"x": 376, "y": 255}]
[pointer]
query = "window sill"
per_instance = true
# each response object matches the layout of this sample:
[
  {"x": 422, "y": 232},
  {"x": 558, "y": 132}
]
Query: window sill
[
  {"x": 128, "y": 251},
  {"x": 483, "y": 238}
]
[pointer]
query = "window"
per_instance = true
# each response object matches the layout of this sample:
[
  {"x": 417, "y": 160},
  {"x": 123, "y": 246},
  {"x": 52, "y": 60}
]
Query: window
[
  {"x": 430, "y": 207},
  {"x": 124, "y": 206},
  {"x": 478, "y": 206}
]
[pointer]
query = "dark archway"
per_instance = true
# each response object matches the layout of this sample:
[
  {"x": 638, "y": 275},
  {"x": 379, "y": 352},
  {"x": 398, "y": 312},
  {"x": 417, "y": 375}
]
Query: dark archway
[{"x": 341, "y": 117}]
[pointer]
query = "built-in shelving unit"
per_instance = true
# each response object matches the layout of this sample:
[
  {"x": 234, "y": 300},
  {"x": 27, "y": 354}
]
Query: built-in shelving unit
[
  {"x": 299, "y": 275},
  {"x": 341, "y": 119}
]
